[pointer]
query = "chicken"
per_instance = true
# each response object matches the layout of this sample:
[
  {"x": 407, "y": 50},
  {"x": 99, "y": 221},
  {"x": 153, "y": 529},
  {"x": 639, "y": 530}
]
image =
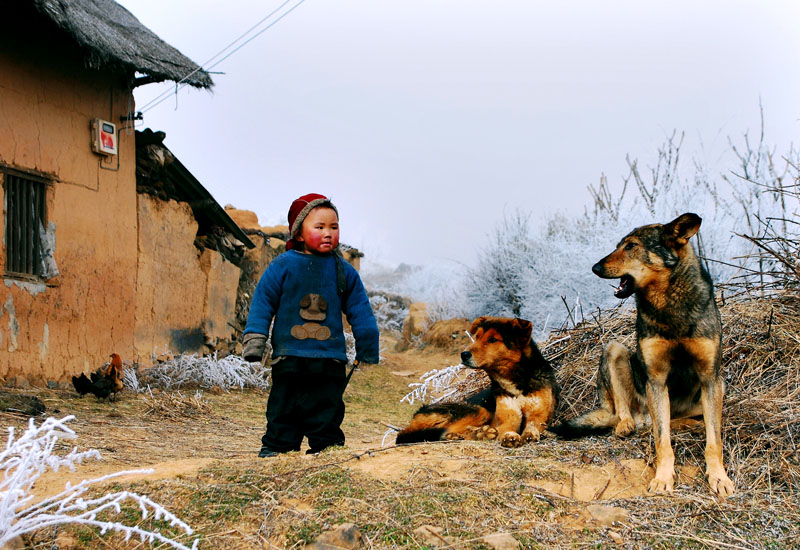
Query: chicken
[
  {"x": 103, "y": 382},
  {"x": 82, "y": 384}
]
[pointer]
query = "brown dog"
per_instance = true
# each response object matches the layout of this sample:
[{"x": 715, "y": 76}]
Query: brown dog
[
  {"x": 524, "y": 391},
  {"x": 675, "y": 370}
]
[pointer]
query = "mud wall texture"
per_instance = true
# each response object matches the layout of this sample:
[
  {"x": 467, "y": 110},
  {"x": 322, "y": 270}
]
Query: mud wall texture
[
  {"x": 185, "y": 300},
  {"x": 130, "y": 280},
  {"x": 51, "y": 328}
]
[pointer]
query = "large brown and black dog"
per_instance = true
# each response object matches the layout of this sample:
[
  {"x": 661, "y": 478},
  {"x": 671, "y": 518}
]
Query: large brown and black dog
[
  {"x": 675, "y": 370},
  {"x": 524, "y": 391}
]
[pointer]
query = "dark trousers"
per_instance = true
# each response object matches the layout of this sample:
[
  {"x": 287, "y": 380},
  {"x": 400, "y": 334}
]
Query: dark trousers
[{"x": 305, "y": 400}]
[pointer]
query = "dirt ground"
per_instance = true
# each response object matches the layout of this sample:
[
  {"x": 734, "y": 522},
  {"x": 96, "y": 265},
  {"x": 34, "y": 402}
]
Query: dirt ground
[{"x": 205, "y": 469}]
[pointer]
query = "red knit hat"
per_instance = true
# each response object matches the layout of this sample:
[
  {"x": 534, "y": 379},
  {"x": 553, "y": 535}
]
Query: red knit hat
[{"x": 300, "y": 209}]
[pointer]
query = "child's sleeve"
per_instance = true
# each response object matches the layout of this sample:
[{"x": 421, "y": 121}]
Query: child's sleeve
[
  {"x": 359, "y": 314},
  {"x": 265, "y": 301}
]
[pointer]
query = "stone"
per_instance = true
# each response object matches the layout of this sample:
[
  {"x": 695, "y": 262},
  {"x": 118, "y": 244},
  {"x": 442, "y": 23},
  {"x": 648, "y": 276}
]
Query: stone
[
  {"x": 345, "y": 536},
  {"x": 66, "y": 542},
  {"x": 616, "y": 537},
  {"x": 606, "y": 515},
  {"x": 14, "y": 544},
  {"x": 430, "y": 535},
  {"x": 501, "y": 541}
]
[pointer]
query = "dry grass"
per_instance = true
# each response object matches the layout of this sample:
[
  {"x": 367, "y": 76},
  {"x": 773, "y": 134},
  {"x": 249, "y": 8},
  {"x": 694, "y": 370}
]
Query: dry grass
[
  {"x": 175, "y": 405},
  {"x": 761, "y": 432},
  {"x": 471, "y": 489}
]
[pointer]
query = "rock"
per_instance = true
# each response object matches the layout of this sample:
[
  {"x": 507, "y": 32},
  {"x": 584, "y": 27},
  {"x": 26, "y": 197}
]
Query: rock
[
  {"x": 14, "y": 544},
  {"x": 616, "y": 537},
  {"x": 501, "y": 541},
  {"x": 346, "y": 536},
  {"x": 66, "y": 542},
  {"x": 606, "y": 515},
  {"x": 430, "y": 535}
]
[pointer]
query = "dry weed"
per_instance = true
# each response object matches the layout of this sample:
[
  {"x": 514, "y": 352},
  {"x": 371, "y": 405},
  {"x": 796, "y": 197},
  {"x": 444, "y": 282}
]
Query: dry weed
[{"x": 176, "y": 406}]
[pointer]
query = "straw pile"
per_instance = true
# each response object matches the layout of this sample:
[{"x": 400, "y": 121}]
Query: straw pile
[
  {"x": 176, "y": 406},
  {"x": 761, "y": 365}
]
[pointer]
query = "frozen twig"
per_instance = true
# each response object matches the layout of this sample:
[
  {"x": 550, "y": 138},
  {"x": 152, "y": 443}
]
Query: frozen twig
[{"x": 26, "y": 458}]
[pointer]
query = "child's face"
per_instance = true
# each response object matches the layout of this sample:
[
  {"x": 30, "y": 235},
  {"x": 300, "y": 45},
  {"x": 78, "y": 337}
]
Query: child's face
[{"x": 320, "y": 231}]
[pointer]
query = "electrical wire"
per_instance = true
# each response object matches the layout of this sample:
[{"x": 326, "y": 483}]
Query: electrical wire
[{"x": 182, "y": 82}]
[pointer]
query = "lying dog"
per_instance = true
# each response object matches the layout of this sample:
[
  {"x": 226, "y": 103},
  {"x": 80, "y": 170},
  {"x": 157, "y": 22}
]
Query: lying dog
[
  {"x": 523, "y": 397},
  {"x": 675, "y": 370}
]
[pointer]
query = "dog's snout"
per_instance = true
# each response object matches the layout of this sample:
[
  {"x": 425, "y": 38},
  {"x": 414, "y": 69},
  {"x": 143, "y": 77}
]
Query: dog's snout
[
  {"x": 466, "y": 356},
  {"x": 597, "y": 269}
]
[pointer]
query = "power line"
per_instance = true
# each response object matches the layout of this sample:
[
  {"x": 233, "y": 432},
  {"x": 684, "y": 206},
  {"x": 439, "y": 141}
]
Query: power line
[{"x": 182, "y": 82}]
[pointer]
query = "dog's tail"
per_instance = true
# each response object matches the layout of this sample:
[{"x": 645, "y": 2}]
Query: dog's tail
[
  {"x": 596, "y": 422},
  {"x": 410, "y": 435},
  {"x": 431, "y": 422}
]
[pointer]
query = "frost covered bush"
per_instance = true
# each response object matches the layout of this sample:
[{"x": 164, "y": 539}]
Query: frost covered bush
[
  {"x": 193, "y": 371},
  {"x": 748, "y": 198},
  {"x": 544, "y": 273},
  {"x": 437, "y": 285},
  {"x": 435, "y": 385},
  {"x": 205, "y": 372},
  {"x": 390, "y": 310},
  {"x": 26, "y": 458}
]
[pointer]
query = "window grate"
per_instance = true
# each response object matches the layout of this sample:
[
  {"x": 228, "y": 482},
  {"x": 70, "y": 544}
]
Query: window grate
[{"x": 25, "y": 214}]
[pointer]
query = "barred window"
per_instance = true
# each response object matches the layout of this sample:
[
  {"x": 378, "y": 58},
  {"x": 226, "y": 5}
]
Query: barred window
[{"x": 25, "y": 215}]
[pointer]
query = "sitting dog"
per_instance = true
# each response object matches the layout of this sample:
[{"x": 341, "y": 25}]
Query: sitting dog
[
  {"x": 522, "y": 399},
  {"x": 675, "y": 370}
]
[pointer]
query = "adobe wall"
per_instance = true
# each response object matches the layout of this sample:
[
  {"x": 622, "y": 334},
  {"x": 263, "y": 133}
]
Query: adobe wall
[
  {"x": 222, "y": 283},
  {"x": 71, "y": 323},
  {"x": 185, "y": 299}
]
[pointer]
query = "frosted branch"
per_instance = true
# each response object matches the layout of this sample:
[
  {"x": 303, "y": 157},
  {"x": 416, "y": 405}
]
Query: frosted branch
[{"x": 26, "y": 458}]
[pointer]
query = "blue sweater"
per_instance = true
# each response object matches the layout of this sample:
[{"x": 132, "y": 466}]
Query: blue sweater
[{"x": 299, "y": 291}]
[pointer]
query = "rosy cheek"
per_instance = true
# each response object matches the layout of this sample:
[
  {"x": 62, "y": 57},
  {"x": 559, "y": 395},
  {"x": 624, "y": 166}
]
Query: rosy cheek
[{"x": 314, "y": 240}]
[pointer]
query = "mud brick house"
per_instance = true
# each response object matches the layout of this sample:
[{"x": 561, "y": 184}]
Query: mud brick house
[{"x": 90, "y": 265}]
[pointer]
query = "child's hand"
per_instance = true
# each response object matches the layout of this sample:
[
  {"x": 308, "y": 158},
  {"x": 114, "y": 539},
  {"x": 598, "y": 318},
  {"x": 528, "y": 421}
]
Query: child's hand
[{"x": 253, "y": 345}]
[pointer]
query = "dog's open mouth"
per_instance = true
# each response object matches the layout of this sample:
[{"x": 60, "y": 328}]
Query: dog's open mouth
[{"x": 625, "y": 287}]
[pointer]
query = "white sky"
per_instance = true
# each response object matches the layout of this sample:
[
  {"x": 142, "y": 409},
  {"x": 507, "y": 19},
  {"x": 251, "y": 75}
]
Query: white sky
[{"x": 425, "y": 119}]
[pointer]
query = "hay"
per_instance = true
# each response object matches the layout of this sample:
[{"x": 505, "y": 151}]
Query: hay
[
  {"x": 176, "y": 406},
  {"x": 761, "y": 366}
]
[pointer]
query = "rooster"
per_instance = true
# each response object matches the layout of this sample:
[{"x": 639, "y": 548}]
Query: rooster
[{"x": 103, "y": 382}]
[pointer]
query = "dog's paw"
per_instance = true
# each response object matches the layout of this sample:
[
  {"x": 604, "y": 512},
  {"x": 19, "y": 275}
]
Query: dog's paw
[
  {"x": 721, "y": 484},
  {"x": 511, "y": 440},
  {"x": 531, "y": 435},
  {"x": 625, "y": 427},
  {"x": 482, "y": 433},
  {"x": 454, "y": 436},
  {"x": 471, "y": 433},
  {"x": 661, "y": 485}
]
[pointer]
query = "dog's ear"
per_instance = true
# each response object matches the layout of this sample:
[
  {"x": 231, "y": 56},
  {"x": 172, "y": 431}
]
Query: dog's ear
[
  {"x": 476, "y": 323},
  {"x": 522, "y": 330},
  {"x": 682, "y": 228}
]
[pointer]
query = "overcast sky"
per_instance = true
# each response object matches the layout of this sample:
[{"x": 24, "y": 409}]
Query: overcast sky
[{"x": 425, "y": 119}]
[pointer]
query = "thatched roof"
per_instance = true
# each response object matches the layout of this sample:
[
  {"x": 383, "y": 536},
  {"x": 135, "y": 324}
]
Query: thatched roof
[
  {"x": 112, "y": 37},
  {"x": 164, "y": 176}
]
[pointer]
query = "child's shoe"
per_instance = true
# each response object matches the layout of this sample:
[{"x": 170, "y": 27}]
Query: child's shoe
[{"x": 266, "y": 452}]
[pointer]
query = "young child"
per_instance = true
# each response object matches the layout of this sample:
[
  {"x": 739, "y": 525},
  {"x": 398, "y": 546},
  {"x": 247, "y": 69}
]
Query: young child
[{"x": 304, "y": 293}]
